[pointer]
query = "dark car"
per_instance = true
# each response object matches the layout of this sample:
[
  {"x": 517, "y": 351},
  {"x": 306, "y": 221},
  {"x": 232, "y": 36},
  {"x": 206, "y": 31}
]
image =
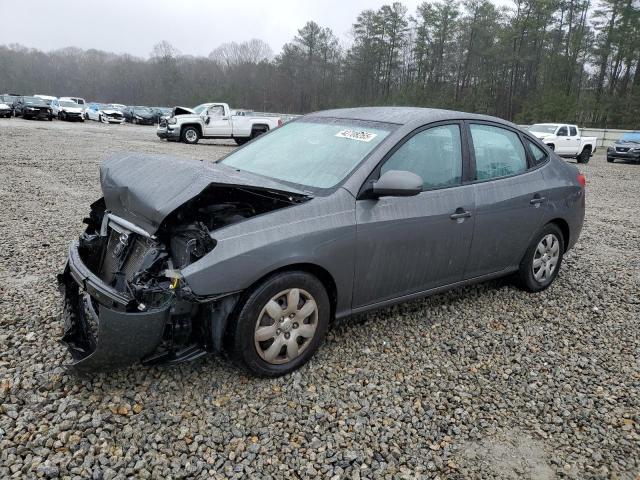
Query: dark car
[
  {"x": 627, "y": 148},
  {"x": 139, "y": 115},
  {"x": 32, "y": 107},
  {"x": 336, "y": 213},
  {"x": 159, "y": 112}
]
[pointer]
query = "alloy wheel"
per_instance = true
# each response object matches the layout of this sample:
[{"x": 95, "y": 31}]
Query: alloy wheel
[
  {"x": 545, "y": 258},
  {"x": 286, "y": 325}
]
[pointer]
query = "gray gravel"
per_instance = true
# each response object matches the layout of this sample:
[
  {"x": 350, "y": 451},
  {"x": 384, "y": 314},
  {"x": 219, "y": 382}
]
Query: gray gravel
[{"x": 481, "y": 382}]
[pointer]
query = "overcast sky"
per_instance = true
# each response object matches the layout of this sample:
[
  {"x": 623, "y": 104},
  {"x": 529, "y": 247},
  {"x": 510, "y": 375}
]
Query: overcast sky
[{"x": 193, "y": 26}]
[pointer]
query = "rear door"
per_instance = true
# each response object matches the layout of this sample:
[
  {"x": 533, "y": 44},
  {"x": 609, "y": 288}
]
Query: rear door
[
  {"x": 510, "y": 195},
  {"x": 568, "y": 140},
  {"x": 407, "y": 245}
]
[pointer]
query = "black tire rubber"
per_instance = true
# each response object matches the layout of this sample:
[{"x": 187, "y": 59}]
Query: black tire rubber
[
  {"x": 584, "y": 156},
  {"x": 609, "y": 160},
  {"x": 242, "y": 141},
  {"x": 240, "y": 332},
  {"x": 552, "y": 147},
  {"x": 183, "y": 135},
  {"x": 525, "y": 277}
]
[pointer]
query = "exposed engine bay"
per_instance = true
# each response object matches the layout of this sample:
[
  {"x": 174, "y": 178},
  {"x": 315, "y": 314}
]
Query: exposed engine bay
[{"x": 146, "y": 267}]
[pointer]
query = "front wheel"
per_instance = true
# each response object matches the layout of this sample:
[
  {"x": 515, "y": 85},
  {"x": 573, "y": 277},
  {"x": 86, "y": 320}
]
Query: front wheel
[
  {"x": 190, "y": 135},
  {"x": 281, "y": 324},
  {"x": 541, "y": 264},
  {"x": 609, "y": 159}
]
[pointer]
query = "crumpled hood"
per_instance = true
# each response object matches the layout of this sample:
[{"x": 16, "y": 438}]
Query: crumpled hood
[
  {"x": 110, "y": 111},
  {"x": 183, "y": 111},
  {"x": 144, "y": 189}
]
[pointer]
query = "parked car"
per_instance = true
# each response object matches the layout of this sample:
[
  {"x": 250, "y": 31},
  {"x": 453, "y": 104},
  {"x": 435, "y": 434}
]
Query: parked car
[
  {"x": 159, "y": 112},
  {"x": 213, "y": 120},
  {"x": 6, "y": 102},
  {"x": 627, "y": 148},
  {"x": 566, "y": 140},
  {"x": 139, "y": 115},
  {"x": 103, "y": 113},
  {"x": 336, "y": 213},
  {"x": 67, "y": 110},
  {"x": 47, "y": 98},
  {"x": 78, "y": 100},
  {"x": 31, "y": 107}
]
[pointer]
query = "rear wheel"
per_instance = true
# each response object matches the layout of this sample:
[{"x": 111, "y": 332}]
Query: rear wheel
[
  {"x": 541, "y": 264},
  {"x": 584, "y": 156},
  {"x": 280, "y": 325},
  {"x": 242, "y": 140},
  {"x": 190, "y": 135}
]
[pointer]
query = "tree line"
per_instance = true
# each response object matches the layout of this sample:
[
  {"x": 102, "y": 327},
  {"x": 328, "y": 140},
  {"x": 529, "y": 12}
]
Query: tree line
[{"x": 537, "y": 60}]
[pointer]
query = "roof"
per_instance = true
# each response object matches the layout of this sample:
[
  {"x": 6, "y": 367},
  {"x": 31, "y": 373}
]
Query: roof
[{"x": 403, "y": 115}]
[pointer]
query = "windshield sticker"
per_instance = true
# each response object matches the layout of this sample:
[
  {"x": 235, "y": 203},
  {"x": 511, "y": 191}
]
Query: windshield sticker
[{"x": 361, "y": 136}]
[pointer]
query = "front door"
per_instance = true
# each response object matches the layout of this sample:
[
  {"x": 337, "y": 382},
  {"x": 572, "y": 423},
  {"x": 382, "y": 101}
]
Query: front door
[
  {"x": 509, "y": 200},
  {"x": 215, "y": 122},
  {"x": 407, "y": 245}
]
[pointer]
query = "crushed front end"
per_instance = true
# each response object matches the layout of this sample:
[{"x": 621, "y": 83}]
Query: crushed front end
[{"x": 125, "y": 301}]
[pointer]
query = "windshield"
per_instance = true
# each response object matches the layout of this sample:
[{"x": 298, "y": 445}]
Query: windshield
[
  {"x": 543, "y": 128},
  {"x": 200, "y": 108},
  {"x": 144, "y": 110},
  {"x": 633, "y": 137},
  {"x": 66, "y": 103},
  {"x": 316, "y": 153},
  {"x": 34, "y": 101},
  {"x": 46, "y": 100}
]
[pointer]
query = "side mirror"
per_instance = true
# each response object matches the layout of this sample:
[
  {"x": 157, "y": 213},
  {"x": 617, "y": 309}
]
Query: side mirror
[{"x": 395, "y": 183}]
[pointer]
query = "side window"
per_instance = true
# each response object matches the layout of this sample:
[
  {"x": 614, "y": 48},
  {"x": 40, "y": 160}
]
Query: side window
[
  {"x": 498, "y": 152},
  {"x": 573, "y": 131},
  {"x": 562, "y": 132},
  {"x": 434, "y": 154},
  {"x": 216, "y": 111},
  {"x": 539, "y": 155}
]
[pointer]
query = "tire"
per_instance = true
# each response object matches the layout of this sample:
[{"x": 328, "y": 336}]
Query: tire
[
  {"x": 242, "y": 141},
  {"x": 243, "y": 342},
  {"x": 609, "y": 160},
  {"x": 190, "y": 135},
  {"x": 100, "y": 118},
  {"x": 552, "y": 147},
  {"x": 584, "y": 156},
  {"x": 537, "y": 277},
  {"x": 50, "y": 118}
]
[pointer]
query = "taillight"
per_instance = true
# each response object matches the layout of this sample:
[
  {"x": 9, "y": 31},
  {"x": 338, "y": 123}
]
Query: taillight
[
  {"x": 279, "y": 122},
  {"x": 582, "y": 180}
]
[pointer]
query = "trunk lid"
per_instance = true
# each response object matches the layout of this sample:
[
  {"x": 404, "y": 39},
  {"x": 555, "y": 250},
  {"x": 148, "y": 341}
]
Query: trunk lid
[{"x": 144, "y": 189}]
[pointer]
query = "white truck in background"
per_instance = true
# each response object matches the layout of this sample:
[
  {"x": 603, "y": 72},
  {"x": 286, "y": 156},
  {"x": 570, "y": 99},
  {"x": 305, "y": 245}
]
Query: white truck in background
[
  {"x": 213, "y": 121},
  {"x": 566, "y": 140}
]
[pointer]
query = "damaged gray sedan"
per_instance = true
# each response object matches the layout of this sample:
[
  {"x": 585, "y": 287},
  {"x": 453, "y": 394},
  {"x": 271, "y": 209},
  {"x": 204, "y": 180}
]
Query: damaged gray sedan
[{"x": 336, "y": 213}]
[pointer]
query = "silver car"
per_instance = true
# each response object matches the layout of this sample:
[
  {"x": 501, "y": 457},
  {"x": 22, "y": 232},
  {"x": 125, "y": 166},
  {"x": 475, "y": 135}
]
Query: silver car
[{"x": 336, "y": 213}]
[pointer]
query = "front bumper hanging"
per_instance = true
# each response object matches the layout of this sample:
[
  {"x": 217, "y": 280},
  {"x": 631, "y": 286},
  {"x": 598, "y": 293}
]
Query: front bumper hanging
[{"x": 101, "y": 330}]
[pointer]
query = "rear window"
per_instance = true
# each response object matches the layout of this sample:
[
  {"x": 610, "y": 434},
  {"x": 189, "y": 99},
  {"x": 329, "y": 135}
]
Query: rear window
[{"x": 538, "y": 155}]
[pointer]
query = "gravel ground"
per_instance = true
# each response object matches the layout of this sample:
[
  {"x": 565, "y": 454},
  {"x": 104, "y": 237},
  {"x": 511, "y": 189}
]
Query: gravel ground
[{"x": 481, "y": 382}]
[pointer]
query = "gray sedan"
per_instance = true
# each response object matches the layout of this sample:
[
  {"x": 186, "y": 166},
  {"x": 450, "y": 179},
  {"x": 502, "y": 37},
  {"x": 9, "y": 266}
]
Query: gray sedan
[{"x": 336, "y": 213}]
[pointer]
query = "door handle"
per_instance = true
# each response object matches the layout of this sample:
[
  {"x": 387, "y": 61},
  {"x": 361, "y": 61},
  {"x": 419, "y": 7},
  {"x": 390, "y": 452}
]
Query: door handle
[
  {"x": 459, "y": 214},
  {"x": 537, "y": 200}
]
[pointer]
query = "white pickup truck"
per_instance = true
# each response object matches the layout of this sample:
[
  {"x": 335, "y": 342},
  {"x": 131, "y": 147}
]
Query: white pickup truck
[
  {"x": 213, "y": 120},
  {"x": 566, "y": 140}
]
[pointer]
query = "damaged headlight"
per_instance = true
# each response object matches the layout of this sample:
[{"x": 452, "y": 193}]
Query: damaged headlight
[{"x": 172, "y": 121}]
